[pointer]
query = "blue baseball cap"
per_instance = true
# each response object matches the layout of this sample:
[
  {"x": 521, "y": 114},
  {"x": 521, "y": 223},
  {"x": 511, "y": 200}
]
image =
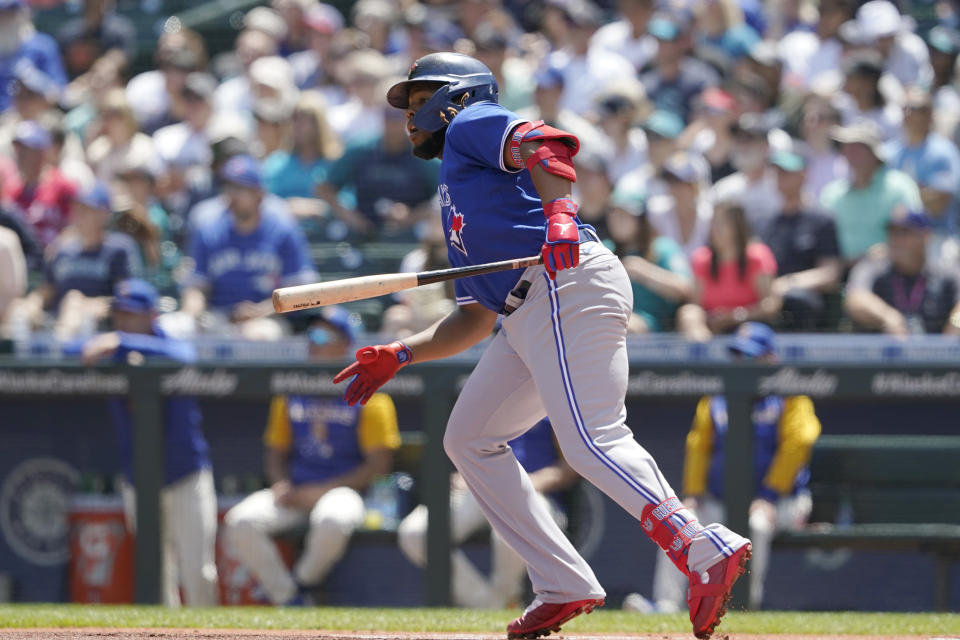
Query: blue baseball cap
[
  {"x": 134, "y": 295},
  {"x": 753, "y": 339},
  {"x": 665, "y": 124},
  {"x": 905, "y": 218},
  {"x": 95, "y": 196},
  {"x": 337, "y": 317},
  {"x": 243, "y": 170},
  {"x": 32, "y": 135},
  {"x": 664, "y": 27}
]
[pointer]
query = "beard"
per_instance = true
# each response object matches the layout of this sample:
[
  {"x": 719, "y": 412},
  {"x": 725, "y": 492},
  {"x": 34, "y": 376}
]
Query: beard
[{"x": 432, "y": 147}]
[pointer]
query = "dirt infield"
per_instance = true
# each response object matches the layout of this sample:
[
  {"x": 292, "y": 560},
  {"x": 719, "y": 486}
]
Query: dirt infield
[{"x": 247, "y": 634}]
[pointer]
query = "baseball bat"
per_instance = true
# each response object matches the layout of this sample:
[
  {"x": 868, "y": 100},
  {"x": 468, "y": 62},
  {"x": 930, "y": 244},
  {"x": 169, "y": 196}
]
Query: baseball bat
[{"x": 319, "y": 294}]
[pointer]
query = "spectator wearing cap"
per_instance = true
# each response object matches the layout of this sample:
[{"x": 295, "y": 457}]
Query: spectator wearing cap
[
  {"x": 547, "y": 96},
  {"x": 235, "y": 93},
  {"x": 676, "y": 78},
  {"x": 312, "y": 66},
  {"x": 663, "y": 130},
  {"x": 711, "y": 132},
  {"x": 586, "y": 70},
  {"x": 321, "y": 455},
  {"x": 19, "y": 40},
  {"x": 733, "y": 275},
  {"x": 879, "y": 26},
  {"x": 803, "y": 240},
  {"x": 754, "y": 183},
  {"x": 658, "y": 269},
  {"x": 785, "y": 429},
  {"x": 811, "y": 58},
  {"x": 98, "y": 32},
  {"x": 82, "y": 269},
  {"x": 156, "y": 95},
  {"x": 863, "y": 99},
  {"x": 619, "y": 108},
  {"x": 861, "y": 204},
  {"x": 825, "y": 163},
  {"x": 901, "y": 291},
  {"x": 241, "y": 255},
  {"x": 931, "y": 160},
  {"x": 390, "y": 194},
  {"x": 116, "y": 137},
  {"x": 684, "y": 212},
  {"x": 513, "y": 73},
  {"x": 184, "y": 147},
  {"x": 294, "y": 173},
  {"x": 188, "y": 500},
  {"x": 40, "y": 192},
  {"x": 943, "y": 43},
  {"x": 628, "y": 36}
]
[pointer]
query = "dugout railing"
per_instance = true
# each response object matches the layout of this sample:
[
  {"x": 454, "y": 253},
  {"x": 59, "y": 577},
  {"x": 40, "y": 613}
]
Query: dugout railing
[{"x": 436, "y": 385}]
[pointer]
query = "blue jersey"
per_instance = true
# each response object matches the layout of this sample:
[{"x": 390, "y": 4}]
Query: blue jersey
[
  {"x": 490, "y": 211},
  {"x": 235, "y": 267},
  {"x": 766, "y": 417},
  {"x": 324, "y": 442},
  {"x": 92, "y": 272},
  {"x": 535, "y": 449},
  {"x": 185, "y": 449},
  {"x": 41, "y": 50}
]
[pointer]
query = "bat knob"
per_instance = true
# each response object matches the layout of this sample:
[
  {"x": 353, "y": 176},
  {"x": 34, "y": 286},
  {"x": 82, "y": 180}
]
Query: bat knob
[{"x": 367, "y": 355}]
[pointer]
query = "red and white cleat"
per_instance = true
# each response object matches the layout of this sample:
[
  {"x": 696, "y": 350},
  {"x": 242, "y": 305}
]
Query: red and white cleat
[
  {"x": 707, "y": 601},
  {"x": 541, "y": 618}
]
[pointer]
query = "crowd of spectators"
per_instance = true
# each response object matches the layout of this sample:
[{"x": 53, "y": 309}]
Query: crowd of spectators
[{"x": 794, "y": 161}]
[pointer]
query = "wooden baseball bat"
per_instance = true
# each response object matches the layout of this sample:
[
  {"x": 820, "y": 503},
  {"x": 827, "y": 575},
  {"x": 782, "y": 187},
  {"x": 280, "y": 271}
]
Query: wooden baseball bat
[{"x": 319, "y": 294}]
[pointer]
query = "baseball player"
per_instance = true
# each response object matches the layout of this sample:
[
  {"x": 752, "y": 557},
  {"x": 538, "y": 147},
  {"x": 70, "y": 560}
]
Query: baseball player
[
  {"x": 537, "y": 453},
  {"x": 320, "y": 456},
  {"x": 785, "y": 430},
  {"x": 188, "y": 498},
  {"x": 505, "y": 193}
]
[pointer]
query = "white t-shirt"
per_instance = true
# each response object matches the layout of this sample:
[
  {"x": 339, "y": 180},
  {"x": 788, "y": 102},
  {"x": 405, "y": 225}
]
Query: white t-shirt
[
  {"x": 760, "y": 200},
  {"x": 663, "y": 217},
  {"x": 617, "y": 37},
  {"x": 585, "y": 77}
]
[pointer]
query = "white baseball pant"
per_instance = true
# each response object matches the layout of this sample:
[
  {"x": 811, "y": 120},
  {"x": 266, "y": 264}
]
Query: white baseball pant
[
  {"x": 670, "y": 586},
  {"x": 188, "y": 535},
  {"x": 470, "y": 587},
  {"x": 562, "y": 353},
  {"x": 252, "y": 523}
]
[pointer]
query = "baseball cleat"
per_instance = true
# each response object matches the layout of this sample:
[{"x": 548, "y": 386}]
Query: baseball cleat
[
  {"x": 707, "y": 601},
  {"x": 541, "y": 618}
]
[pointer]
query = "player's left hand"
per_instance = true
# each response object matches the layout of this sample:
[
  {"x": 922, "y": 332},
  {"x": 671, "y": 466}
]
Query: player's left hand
[
  {"x": 561, "y": 250},
  {"x": 374, "y": 367}
]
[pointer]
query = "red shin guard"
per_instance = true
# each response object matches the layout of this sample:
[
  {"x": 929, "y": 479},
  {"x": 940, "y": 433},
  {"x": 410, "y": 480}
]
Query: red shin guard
[{"x": 670, "y": 534}]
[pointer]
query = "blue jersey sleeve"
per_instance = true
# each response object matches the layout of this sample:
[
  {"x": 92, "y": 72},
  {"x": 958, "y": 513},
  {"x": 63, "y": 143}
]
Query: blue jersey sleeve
[
  {"x": 480, "y": 132},
  {"x": 463, "y": 297}
]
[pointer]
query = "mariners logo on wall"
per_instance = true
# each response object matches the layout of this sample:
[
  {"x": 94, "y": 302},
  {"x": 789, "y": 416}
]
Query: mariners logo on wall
[
  {"x": 34, "y": 500},
  {"x": 456, "y": 230}
]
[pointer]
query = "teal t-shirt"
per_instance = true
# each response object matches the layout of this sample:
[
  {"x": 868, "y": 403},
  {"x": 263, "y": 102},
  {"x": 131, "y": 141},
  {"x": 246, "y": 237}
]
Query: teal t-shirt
[
  {"x": 286, "y": 176},
  {"x": 861, "y": 215},
  {"x": 656, "y": 310}
]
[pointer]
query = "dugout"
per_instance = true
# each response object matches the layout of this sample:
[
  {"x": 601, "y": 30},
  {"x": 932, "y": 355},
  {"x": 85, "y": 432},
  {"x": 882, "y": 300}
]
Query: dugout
[{"x": 55, "y": 409}]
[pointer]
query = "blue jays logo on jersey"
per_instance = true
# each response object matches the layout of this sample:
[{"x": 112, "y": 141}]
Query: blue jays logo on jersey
[{"x": 456, "y": 230}]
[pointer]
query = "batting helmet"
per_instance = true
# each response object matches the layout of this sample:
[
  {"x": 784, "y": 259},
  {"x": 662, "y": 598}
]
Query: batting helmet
[{"x": 465, "y": 81}]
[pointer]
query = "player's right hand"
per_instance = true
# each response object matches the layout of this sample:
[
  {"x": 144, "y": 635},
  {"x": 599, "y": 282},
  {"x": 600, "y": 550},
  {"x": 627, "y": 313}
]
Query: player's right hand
[{"x": 374, "y": 367}]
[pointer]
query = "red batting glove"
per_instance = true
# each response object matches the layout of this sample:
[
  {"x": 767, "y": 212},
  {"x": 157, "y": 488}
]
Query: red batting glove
[
  {"x": 374, "y": 367},
  {"x": 561, "y": 250}
]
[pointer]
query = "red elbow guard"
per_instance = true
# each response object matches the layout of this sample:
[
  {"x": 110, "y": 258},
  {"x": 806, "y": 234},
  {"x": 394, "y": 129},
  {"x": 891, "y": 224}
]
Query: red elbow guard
[{"x": 555, "y": 154}]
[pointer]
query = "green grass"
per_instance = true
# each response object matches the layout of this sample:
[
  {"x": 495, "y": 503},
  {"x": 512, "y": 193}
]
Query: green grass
[{"x": 58, "y": 615}]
